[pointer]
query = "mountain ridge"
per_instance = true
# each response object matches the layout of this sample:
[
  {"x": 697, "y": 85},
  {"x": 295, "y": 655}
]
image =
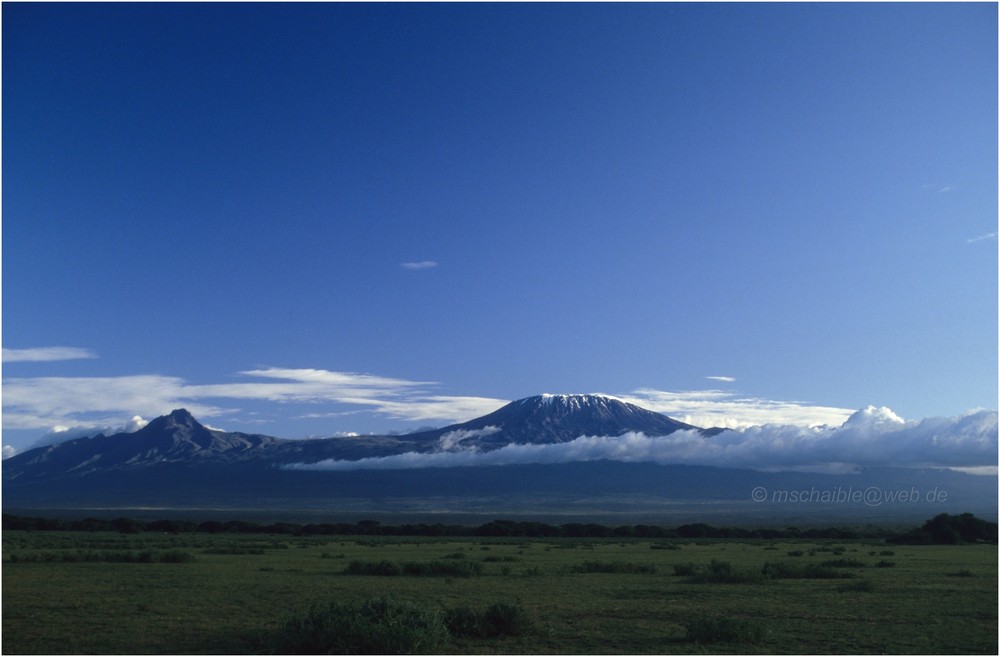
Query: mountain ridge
[
  {"x": 179, "y": 438},
  {"x": 177, "y": 462}
]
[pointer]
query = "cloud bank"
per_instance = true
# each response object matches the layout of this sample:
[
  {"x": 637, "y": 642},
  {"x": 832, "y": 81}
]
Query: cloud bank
[{"x": 869, "y": 437}]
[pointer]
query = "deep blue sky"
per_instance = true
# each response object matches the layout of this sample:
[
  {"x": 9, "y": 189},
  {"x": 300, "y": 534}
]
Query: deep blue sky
[{"x": 613, "y": 198}]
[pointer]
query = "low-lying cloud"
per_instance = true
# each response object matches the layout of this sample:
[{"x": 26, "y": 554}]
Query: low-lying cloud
[{"x": 869, "y": 437}]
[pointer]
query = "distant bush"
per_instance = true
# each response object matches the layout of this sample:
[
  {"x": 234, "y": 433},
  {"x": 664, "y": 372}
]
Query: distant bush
[
  {"x": 384, "y": 568},
  {"x": 620, "y": 567},
  {"x": 961, "y": 573},
  {"x": 724, "y": 630},
  {"x": 105, "y": 556},
  {"x": 844, "y": 563},
  {"x": 664, "y": 546},
  {"x": 685, "y": 569},
  {"x": 369, "y": 627},
  {"x": 945, "y": 529},
  {"x": 232, "y": 550},
  {"x": 795, "y": 553},
  {"x": 885, "y": 564},
  {"x": 443, "y": 568},
  {"x": 504, "y": 559},
  {"x": 798, "y": 570},
  {"x": 861, "y": 586}
]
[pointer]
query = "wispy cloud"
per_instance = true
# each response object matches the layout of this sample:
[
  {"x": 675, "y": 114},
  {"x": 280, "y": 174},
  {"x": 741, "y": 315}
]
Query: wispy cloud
[
  {"x": 723, "y": 379},
  {"x": 47, "y": 402},
  {"x": 45, "y": 354},
  {"x": 422, "y": 264},
  {"x": 721, "y": 408},
  {"x": 982, "y": 238},
  {"x": 870, "y": 437}
]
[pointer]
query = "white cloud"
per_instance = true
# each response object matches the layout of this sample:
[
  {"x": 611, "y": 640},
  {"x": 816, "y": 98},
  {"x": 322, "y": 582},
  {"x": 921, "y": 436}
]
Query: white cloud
[
  {"x": 61, "y": 433},
  {"x": 449, "y": 441},
  {"x": 422, "y": 264},
  {"x": 724, "y": 379},
  {"x": 728, "y": 410},
  {"x": 870, "y": 437},
  {"x": 8, "y": 451},
  {"x": 46, "y": 402},
  {"x": 46, "y": 354}
]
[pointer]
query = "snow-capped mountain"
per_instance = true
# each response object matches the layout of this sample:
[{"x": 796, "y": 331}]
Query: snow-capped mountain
[
  {"x": 176, "y": 462},
  {"x": 552, "y": 419}
]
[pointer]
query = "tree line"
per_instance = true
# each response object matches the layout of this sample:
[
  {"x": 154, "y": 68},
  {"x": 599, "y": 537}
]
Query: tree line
[{"x": 944, "y": 528}]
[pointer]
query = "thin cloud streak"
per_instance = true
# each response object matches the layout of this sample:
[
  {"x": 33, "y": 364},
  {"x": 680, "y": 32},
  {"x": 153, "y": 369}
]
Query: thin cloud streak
[
  {"x": 723, "y": 379},
  {"x": 46, "y": 354},
  {"x": 982, "y": 238},
  {"x": 422, "y": 264}
]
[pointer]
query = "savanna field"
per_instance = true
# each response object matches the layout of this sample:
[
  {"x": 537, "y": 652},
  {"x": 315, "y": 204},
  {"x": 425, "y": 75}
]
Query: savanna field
[{"x": 139, "y": 593}]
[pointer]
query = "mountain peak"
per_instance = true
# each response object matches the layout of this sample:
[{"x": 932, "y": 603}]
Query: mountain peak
[{"x": 178, "y": 418}]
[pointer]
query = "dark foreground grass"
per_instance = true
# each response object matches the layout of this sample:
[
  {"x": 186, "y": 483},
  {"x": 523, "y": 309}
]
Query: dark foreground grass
[{"x": 256, "y": 594}]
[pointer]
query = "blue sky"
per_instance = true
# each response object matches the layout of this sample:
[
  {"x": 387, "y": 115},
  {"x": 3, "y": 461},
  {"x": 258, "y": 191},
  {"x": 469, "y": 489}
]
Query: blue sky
[{"x": 309, "y": 219}]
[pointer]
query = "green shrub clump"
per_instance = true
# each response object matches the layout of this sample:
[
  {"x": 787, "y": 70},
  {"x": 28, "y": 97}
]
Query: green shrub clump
[
  {"x": 724, "y": 630},
  {"x": 456, "y": 568},
  {"x": 613, "y": 567},
  {"x": 377, "y": 626},
  {"x": 788, "y": 570},
  {"x": 499, "y": 619}
]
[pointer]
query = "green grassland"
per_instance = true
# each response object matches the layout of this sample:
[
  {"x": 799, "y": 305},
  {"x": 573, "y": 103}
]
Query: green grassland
[{"x": 102, "y": 592}]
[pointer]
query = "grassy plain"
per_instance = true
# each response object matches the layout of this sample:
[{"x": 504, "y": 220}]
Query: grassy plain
[{"x": 95, "y": 592}]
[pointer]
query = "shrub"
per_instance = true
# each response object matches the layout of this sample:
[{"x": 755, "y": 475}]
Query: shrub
[
  {"x": 861, "y": 586},
  {"x": 384, "y": 568},
  {"x": 613, "y": 567},
  {"x": 719, "y": 572},
  {"x": 443, "y": 568},
  {"x": 788, "y": 570},
  {"x": 499, "y": 619},
  {"x": 795, "y": 553},
  {"x": 684, "y": 569},
  {"x": 885, "y": 564},
  {"x": 724, "y": 630},
  {"x": 961, "y": 573},
  {"x": 844, "y": 563},
  {"x": 369, "y": 627},
  {"x": 664, "y": 546}
]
